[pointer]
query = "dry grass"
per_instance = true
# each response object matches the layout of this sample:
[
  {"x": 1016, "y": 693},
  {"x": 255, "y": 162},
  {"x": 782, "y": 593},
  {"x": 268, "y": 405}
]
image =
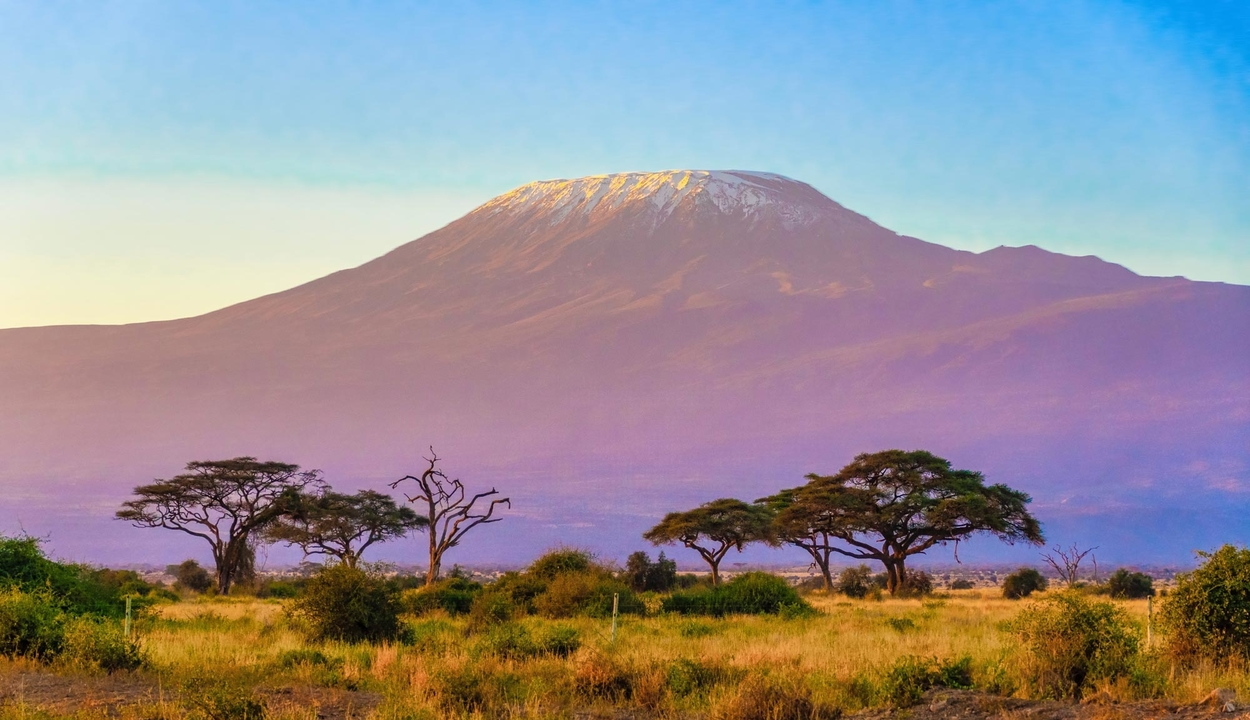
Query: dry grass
[{"x": 666, "y": 666}]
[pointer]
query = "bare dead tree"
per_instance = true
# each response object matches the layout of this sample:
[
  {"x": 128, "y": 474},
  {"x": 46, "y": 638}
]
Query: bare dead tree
[
  {"x": 450, "y": 510},
  {"x": 1067, "y": 562}
]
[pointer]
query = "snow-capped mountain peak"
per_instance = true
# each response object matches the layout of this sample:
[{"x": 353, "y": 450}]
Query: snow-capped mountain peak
[{"x": 661, "y": 193}]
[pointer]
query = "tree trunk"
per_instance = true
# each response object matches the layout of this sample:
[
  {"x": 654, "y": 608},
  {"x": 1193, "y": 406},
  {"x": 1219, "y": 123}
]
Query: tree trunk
[
  {"x": 436, "y": 557},
  {"x": 715, "y": 565},
  {"x": 891, "y": 573},
  {"x": 823, "y": 564},
  {"x": 902, "y": 573}
]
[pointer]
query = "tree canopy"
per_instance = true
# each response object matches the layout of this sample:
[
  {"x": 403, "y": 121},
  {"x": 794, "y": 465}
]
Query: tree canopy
[
  {"x": 888, "y": 506},
  {"x": 343, "y": 526},
  {"x": 713, "y": 528},
  {"x": 225, "y": 502}
]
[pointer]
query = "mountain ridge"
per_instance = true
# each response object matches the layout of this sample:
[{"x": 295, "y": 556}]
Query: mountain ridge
[{"x": 573, "y": 351}]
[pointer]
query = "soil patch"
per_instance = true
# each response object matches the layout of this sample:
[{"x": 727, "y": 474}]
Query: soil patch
[{"x": 112, "y": 694}]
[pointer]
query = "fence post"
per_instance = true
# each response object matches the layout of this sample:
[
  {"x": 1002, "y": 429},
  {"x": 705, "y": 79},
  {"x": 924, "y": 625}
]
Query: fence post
[
  {"x": 616, "y": 599},
  {"x": 1150, "y": 620}
]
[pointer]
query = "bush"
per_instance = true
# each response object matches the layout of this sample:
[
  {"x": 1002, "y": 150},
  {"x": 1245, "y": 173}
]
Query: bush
[
  {"x": 190, "y": 576},
  {"x": 586, "y": 594},
  {"x": 221, "y": 700},
  {"x": 491, "y": 608},
  {"x": 453, "y": 595},
  {"x": 692, "y": 677},
  {"x": 1208, "y": 613},
  {"x": 857, "y": 582},
  {"x": 514, "y": 641},
  {"x": 100, "y": 645},
  {"x": 753, "y": 593},
  {"x": 1023, "y": 583},
  {"x": 962, "y": 584},
  {"x": 561, "y": 562},
  {"x": 919, "y": 583},
  {"x": 1067, "y": 643},
  {"x": 911, "y": 677},
  {"x": 643, "y": 575},
  {"x": 31, "y": 625},
  {"x": 349, "y": 604},
  {"x": 1125, "y": 584},
  {"x": 76, "y": 589}
]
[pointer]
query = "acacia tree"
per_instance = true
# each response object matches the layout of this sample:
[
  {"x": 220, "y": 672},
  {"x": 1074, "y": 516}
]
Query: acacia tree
[
  {"x": 798, "y": 520},
  {"x": 343, "y": 526},
  {"x": 450, "y": 512},
  {"x": 713, "y": 528},
  {"x": 225, "y": 502},
  {"x": 891, "y": 505}
]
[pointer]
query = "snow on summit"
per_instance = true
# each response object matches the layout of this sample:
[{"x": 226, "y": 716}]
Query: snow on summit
[{"x": 731, "y": 191}]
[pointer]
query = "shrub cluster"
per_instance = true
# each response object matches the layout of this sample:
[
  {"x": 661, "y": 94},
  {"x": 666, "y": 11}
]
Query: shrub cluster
[
  {"x": 76, "y": 589},
  {"x": 453, "y": 595},
  {"x": 753, "y": 593},
  {"x": 1023, "y": 583},
  {"x": 349, "y": 604},
  {"x": 1126, "y": 584},
  {"x": 561, "y": 584},
  {"x": 1067, "y": 643},
  {"x": 1208, "y": 613},
  {"x": 36, "y": 626},
  {"x": 858, "y": 582},
  {"x": 911, "y": 677}
]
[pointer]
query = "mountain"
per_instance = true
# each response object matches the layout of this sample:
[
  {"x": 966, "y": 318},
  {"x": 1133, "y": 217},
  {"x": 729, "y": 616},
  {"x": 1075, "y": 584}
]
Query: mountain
[{"x": 611, "y": 347}]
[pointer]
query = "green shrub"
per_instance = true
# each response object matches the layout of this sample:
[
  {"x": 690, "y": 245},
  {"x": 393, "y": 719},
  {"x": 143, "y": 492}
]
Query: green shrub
[
  {"x": 99, "y": 644},
  {"x": 586, "y": 594},
  {"x": 1067, "y": 643},
  {"x": 561, "y": 562},
  {"x": 911, "y": 677},
  {"x": 349, "y": 604},
  {"x": 857, "y": 582},
  {"x": 31, "y": 625},
  {"x": 918, "y": 584},
  {"x": 491, "y": 608},
  {"x": 685, "y": 677},
  {"x": 77, "y": 589},
  {"x": 190, "y": 576},
  {"x": 901, "y": 624},
  {"x": 288, "y": 659},
  {"x": 1023, "y": 583},
  {"x": 453, "y": 595},
  {"x": 515, "y": 641},
  {"x": 212, "y": 699},
  {"x": 518, "y": 589},
  {"x": 962, "y": 584},
  {"x": 1208, "y": 613},
  {"x": 1131, "y": 585},
  {"x": 753, "y": 593}
]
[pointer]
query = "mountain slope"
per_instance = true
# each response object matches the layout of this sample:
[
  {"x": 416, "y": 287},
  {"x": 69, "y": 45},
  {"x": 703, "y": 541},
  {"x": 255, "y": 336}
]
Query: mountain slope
[{"x": 631, "y": 341}]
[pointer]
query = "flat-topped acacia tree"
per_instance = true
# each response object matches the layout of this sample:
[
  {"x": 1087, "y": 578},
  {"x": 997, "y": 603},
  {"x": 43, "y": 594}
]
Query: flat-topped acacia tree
[
  {"x": 888, "y": 506},
  {"x": 713, "y": 528},
  {"x": 448, "y": 510},
  {"x": 225, "y": 502},
  {"x": 343, "y": 526}
]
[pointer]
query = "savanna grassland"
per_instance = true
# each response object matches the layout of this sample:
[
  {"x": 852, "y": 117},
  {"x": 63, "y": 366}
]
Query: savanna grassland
[{"x": 225, "y": 658}]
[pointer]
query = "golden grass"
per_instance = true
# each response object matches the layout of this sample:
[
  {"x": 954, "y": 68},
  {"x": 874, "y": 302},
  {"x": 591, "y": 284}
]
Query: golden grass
[{"x": 836, "y": 655}]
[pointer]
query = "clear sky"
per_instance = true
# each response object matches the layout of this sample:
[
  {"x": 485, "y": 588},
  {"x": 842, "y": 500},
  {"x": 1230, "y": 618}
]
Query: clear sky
[{"x": 161, "y": 159}]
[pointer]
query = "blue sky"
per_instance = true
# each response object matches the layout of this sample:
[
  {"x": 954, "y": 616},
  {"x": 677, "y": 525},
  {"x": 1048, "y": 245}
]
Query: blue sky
[{"x": 160, "y": 159}]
